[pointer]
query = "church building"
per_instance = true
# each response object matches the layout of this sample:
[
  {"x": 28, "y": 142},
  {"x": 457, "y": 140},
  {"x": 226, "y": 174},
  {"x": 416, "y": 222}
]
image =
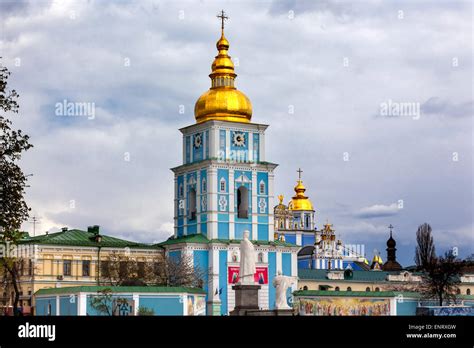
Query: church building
[
  {"x": 224, "y": 187},
  {"x": 296, "y": 223}
]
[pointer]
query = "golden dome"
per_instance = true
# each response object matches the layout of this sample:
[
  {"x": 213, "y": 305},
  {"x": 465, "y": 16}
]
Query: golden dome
[
  {"x": 300, "y": 201},
  {"x": 223, "y": 101}
]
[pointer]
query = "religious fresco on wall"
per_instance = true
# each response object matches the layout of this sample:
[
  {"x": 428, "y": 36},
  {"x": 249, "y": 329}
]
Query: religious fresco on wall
[
  {"x": 326, "y": 306},
  {"x": 200, "y": 305}
]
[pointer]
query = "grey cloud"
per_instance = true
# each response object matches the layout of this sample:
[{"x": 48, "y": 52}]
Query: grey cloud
[{"x": 441, "y": 107}]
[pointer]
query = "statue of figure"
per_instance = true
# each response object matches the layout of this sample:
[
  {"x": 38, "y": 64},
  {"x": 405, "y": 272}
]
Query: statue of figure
[
  {"x": 247, "y": 261},
  {"x": 282, "y": 283}
]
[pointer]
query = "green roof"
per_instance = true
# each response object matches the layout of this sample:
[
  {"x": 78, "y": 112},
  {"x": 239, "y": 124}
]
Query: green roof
[
  {"x": 357, "y": 276},
  {"x": 83, "y": 238},
  {"x": 356, "y": 293},
  {"x": 192, "y": 238},
  {"x": 120, "y": 289},
  {"x": 199, "y": 238}
]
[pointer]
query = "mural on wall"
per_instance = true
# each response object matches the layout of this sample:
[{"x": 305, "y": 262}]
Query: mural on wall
[
  {"x": 190, "y": 305},
  {"x": 324, "y": 306},
  {"x": 200, "y": 306}
]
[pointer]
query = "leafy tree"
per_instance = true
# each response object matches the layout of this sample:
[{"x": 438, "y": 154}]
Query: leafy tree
[{"x": 13, "y": 207}]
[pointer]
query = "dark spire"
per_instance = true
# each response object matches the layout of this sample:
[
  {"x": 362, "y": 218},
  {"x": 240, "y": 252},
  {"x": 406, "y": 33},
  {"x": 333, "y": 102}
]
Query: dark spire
[{"x": 391, "y": 264}]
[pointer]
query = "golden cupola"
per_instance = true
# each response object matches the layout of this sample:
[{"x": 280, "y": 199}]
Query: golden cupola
[
  {"x": 299, "y": 201},
  {"x": 223, "y": 101}
]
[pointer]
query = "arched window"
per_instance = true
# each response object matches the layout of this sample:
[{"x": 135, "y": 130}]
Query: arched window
[
  {"x": 204, "y": 185},
  {"x": 180, "y": 190},
  {"x": 458, "y": 291},
  {"x": 336, "y": 288},
  {"x": 262, "y": 187},
  {"x": 307, "y": 220},
  {"x": 377, "y": 289},
  {"x": 242, "y": 202},
  {"x": 305, "y": 288},
  {"x": 468, "y": 291},
  {"x": 367, "y": 289},
  {"x": 222, "y": 185},
  {"x": 349, "y": 288},
  {"x": 192, "y": 204}
]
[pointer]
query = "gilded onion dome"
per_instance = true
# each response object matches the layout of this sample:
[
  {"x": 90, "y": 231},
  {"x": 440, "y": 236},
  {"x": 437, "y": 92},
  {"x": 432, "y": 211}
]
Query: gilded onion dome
[
  {"x": 299, "y": 201},
  {"x": 223, "y": 101}
]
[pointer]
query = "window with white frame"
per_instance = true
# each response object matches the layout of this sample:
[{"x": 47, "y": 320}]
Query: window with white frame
[{"x": 222, "y": 185}]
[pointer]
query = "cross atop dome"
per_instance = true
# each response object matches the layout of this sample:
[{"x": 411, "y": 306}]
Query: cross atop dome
[
  {"x": 222, "y": 16},
  {"x": 299, "y": 171}
]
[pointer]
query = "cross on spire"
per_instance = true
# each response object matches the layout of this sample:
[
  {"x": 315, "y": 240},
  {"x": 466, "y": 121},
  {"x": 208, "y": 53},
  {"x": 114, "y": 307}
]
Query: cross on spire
[
  {"x": 222, "y": 16},
  {"x": 391, "y": 227},
  {"x": 299, "y": 173}
]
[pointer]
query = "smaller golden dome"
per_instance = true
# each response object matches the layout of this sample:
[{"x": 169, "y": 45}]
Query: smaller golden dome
[{"x": 300, "y": 201}]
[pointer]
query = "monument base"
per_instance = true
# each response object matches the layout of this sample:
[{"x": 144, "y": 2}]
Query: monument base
[
  {"x": 214, "y": 308},
  {"x": 271, "y": 313},
  {"x": 246, "y": 299}
]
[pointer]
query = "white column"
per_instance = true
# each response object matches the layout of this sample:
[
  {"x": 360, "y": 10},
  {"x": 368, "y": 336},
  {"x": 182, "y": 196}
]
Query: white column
[
  {"x": 393, "y": 306},
  {"x": 227, "y": 143},
  {"x": 185, "y": 202},
  {"x": 212, "y": 207},
  {"x": 231, "y": 186},
  {"x": 185, "y": 303},
  {"x": 294, "y": 264},
  {"x": 191, "y": 147},
  {"x": 136, "y": 301},
  {"x": 213, "y": 142},
  {"x": 254, "y": 206},
  {"x": 213, "y": 275},
  {"x": 204, "y": 144},
  {"x": 198, "y": 201},
  {"x": 176, "y": 202},
  {"x": 184, "y": 149},
  {"x": 298, "y": 239},
  {"x": 278, "y": 262},
  {"x": 58, "y": 312},
  {"x": 82, "y": 304},
  {"x": 250, "y": 147},
  {"x": 271, "y": 223},
  {"x": 262, "y": 147}
]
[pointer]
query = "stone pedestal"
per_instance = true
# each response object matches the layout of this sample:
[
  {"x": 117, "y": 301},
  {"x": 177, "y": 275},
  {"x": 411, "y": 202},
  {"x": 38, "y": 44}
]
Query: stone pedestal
[
  {"x": 246, "y": 299},
  {"x": 214, "y": 308}
]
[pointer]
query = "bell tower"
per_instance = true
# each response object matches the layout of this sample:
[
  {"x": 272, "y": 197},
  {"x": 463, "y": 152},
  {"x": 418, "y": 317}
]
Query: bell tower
[
  {"x": 223, "y": 188},
  {"x": 225, "y": 184}
]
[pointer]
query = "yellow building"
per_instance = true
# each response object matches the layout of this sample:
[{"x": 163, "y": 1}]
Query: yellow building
[{"x": 70, "y": 258}]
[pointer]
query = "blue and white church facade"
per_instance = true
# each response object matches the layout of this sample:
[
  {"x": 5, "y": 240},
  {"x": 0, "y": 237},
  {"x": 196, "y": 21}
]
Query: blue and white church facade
[{"x": 223, "y": 188}]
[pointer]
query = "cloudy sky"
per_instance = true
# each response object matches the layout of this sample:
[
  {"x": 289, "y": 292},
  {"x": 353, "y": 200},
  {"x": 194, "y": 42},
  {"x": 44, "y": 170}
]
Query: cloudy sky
[{"x": 327, "y": 76}]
